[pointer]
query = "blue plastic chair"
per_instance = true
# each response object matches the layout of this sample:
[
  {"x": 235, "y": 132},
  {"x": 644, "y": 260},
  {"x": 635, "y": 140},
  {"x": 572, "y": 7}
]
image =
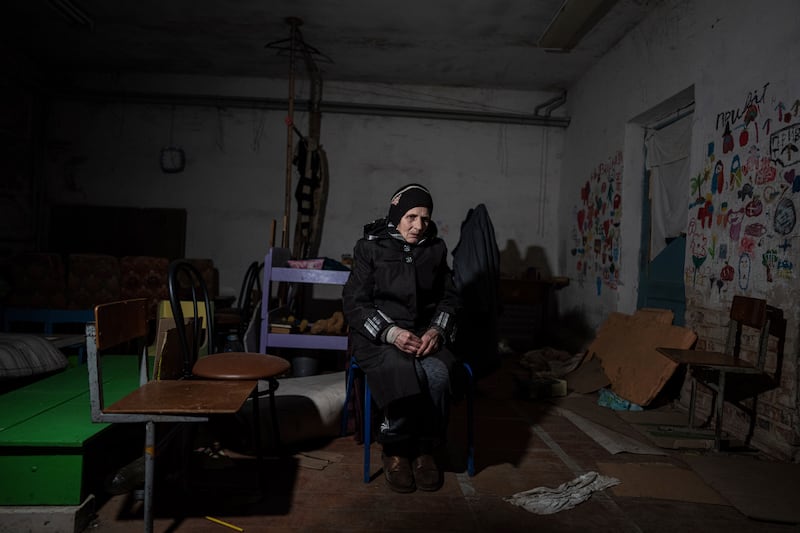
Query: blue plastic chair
[{"x": 367, "y": 429}]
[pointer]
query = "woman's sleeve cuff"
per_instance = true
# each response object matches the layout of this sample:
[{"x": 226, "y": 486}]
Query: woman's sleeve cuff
[{"x": 376, "y": 324}]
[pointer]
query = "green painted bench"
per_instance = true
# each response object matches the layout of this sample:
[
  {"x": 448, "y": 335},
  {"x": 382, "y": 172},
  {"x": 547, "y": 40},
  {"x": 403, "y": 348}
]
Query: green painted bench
[{"x": 51, "y": 453}]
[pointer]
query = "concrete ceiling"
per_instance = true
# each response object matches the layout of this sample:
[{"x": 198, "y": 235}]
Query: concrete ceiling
[{"x": 467, "y": 43}]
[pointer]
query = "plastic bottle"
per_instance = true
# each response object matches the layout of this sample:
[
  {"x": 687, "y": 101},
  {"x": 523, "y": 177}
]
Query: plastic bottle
[{"x": 233, "y": 344}]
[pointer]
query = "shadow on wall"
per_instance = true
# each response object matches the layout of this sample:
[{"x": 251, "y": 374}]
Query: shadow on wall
[
  {"x": 571, "y": 332},
  {"x": 533, "y": 266},
  {"x": 530, "y": 313},
  {"x": 531, "y": 318}
]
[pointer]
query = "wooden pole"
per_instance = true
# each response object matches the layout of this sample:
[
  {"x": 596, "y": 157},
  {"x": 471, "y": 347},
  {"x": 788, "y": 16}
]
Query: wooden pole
[{"x": 287, "y": 208}]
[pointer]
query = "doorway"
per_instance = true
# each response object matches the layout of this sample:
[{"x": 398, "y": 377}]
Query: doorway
[{"x": 667, "y": 145}]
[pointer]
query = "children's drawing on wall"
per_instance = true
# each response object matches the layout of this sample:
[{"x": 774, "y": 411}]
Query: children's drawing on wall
[
  {"x": 743, "y": 216},
  {"x": 596, "y": 233}
]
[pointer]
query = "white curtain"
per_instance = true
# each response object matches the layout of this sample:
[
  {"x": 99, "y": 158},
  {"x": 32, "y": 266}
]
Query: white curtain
[{"x": 668, "y": 162}]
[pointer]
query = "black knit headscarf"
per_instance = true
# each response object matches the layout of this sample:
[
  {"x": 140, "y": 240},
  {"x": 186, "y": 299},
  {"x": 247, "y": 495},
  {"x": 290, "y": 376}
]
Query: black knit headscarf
[{"x": 406, "y": 198}]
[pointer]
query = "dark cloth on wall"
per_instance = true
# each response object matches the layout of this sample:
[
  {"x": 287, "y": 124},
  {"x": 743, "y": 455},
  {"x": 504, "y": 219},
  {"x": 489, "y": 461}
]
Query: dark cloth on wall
[
  {"x": 394, "y": 283},
  {"x": 476, "y": 266}
]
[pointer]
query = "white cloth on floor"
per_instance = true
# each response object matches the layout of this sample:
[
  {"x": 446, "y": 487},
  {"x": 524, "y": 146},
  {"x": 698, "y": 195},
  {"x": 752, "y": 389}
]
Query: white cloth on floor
[{"x": 544, "y": 500}]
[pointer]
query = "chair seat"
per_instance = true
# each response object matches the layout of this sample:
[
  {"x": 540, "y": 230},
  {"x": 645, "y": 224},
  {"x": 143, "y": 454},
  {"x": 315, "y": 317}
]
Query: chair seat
[{"x": 240, "y": 365}]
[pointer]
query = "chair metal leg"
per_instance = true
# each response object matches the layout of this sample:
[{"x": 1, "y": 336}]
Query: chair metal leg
[
  {"x": 348, "y": 391},
  {"x": 719, "y": 409},
  {"x": 367, "y": 425},
  {"x": 367, "y": 429},
  {"x": 149, "y": 474},
  {"x": 257, "y": 438},
  {"x": 273, "y": 411},
  {"x": 692, "y": 401}
]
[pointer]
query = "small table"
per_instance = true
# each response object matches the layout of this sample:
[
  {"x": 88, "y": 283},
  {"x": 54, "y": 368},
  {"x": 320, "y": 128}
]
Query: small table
[{"x": 719, "y": 362}]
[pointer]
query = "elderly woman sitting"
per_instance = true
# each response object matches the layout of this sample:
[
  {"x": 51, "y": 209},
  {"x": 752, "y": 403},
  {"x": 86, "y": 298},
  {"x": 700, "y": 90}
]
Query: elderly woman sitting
[{"x": 400, "y": 302}]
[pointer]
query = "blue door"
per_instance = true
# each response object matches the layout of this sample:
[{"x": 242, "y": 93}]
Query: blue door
[{"x": 661, "y": 281}]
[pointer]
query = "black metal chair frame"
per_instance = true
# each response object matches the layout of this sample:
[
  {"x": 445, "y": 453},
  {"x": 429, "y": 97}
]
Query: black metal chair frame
[{"x": 199, "y": 293}]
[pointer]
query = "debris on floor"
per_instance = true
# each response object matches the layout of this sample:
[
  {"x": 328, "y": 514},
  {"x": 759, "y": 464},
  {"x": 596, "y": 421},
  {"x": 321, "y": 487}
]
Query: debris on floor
[
  {"x": 541, "y": 373},
  {"x": 608, "y": 398},
  {"x": 545, "y": 500},
  {"x": 318, "y": 459}
]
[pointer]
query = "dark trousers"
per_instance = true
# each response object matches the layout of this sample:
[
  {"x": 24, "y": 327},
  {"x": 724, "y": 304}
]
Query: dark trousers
[{"x": 418, "y": 424}]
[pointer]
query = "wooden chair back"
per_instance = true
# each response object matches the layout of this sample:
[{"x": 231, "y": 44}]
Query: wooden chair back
[
  {"x": 120, "y": 322},
  {"x": 757, "y": 314},
  {"x": 117, "y": 324},
  {"x": 748, "y": 311}
]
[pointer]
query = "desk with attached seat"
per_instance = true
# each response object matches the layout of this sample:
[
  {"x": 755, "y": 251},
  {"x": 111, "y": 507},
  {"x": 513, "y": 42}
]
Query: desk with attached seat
[
  {"x": 159, "y": 400},
  {"x": 745, "y": 311}
]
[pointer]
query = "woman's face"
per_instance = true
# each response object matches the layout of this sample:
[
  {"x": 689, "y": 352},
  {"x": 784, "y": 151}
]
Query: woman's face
[{"x": 414, "y": 223}]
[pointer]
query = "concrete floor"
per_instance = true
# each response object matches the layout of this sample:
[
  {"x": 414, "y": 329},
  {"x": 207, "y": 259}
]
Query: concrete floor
[{"x": 520, "y": 445}]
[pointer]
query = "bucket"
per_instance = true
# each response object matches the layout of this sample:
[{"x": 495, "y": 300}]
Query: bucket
[{"x": 305, "y": 365}]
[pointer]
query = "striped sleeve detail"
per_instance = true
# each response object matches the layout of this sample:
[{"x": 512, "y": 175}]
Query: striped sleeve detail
[
  {"x": 442, "y": 320},
  {"x": 376, "y": 323}
]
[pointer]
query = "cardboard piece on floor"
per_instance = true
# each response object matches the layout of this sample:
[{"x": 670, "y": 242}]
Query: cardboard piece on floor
[
  {"x": 613, "y": 441},
  {"x": 666, "y": 427},
  {"x": 677, "y": 437},
  {"x": 661, "y": 481},
  {"x": 626, "y": 346},
  {"x": 587, "y": 407},
  {"x": 588, "y": 377},
  {"x": 734, "y": 478},
  {"x": 662, "y": 416},
  {"x": 653, "y": 314}
]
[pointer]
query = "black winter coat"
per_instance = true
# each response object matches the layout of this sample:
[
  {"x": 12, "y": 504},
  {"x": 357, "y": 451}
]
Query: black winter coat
[{"x": 396, "y": 283}]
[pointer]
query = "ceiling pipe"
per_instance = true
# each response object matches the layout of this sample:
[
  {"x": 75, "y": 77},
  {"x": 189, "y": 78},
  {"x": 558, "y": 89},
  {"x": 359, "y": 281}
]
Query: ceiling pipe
[
  {"x": 551, "y": 104},
  {"x": 327, "y": 107}
]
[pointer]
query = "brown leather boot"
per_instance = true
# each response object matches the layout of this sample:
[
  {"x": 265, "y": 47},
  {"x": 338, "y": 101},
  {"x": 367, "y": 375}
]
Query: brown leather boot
[
  {"x": 426, "y": 473},
  {"x": 397, "y": 470}
]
